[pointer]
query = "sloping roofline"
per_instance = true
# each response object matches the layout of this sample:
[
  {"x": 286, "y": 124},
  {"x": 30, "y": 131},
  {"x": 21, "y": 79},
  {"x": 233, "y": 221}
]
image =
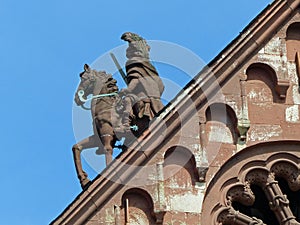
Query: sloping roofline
[{"x": 206, "y": 81}]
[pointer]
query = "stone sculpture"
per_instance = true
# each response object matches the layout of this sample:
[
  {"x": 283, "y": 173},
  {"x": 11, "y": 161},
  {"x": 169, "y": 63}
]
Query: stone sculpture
[
  {"x": 117, "y": 114},
  {"x": 144, "y": 84}
]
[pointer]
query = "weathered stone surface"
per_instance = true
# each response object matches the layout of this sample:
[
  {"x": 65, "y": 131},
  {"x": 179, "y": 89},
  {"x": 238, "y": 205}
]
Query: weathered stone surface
[{"x": 236, "y": 157}]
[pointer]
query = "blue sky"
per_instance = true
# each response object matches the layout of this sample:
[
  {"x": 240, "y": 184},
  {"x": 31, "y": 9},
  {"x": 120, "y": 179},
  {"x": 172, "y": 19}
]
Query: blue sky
[{"x": 43, "y": 47}]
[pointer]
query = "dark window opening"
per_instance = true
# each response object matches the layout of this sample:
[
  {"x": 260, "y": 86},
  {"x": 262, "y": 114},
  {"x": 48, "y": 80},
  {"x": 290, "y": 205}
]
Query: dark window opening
[
  {"x": 292, "y": 196},
  {"x": 260, "y": 209}
]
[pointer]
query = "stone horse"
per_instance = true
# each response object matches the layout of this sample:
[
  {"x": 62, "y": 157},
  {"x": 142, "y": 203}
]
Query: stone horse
[
  {"x": 107, "y": 119},
  {"x": 114, "y": 114}
]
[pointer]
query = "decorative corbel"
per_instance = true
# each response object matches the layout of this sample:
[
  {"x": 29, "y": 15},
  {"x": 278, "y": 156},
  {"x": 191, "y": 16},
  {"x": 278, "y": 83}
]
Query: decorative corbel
[
  {"x": 202, "y": 173},
  {"x": 159, "y": 217},
  {"x": 243, "y": 127},
  {"x": 281, "y": 88}
]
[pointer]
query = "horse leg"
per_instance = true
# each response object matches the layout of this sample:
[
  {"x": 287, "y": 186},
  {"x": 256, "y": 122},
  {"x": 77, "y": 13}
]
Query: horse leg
[
  {"x": 90, "y": 142},
  {"x": 82, "y": 176},
  {"x": 107, "y": 141},
  {"x": 106, "y": 133}
]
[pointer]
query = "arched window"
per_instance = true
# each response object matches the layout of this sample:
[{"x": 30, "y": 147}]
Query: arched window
[
  {"x": 180, "y": 183},
  {"x": 221, "y": 131},
  {"x": 138, "y": 207},
  {"x": 293, "y": 41},
  {"x": 259, "y": 185},
  {"x": 261, "y": 84},
  {"x": 221, "y": 123},
  {"x": 293, "y": 45},
  {"x": 180, "y": 168}
]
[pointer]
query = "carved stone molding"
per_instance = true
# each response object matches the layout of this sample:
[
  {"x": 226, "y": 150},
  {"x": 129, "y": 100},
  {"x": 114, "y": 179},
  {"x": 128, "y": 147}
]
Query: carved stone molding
[
  {"x": 238, "y": 203},
  {"x": 229, "y": 216},
  {"x": 240, "y": 193},
  {"x": 289, "y": 172},
  {"x": 258, "y": 176},
  {"x": 278, "y": 202}
]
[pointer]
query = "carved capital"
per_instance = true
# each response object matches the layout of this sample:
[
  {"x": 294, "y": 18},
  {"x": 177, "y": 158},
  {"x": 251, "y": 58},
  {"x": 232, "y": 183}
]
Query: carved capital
[
  {"x": 242, "y": 194},
  {"x": 243, "y": 127}
]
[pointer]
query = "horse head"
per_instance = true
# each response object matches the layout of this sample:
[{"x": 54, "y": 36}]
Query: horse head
[{"x": 94, "y": 82}]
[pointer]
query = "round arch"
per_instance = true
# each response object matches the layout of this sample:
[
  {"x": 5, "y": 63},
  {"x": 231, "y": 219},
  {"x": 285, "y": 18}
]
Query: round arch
[
  {"x": 293, "y": 31},
  {"x": 266, "y": 74},
  {"x": 139, "y": 207},
  {"x": 179, "y": 158},
  {"x": 221, "y": 113}
]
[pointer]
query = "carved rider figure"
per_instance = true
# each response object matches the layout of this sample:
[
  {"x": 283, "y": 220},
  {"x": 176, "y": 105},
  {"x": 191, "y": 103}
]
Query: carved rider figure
[{"x": 144, "y": 84}]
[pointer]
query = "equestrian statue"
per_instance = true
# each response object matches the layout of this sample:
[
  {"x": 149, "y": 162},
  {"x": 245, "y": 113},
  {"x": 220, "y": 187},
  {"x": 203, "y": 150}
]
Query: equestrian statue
[{"x": 118, "y": 113}]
